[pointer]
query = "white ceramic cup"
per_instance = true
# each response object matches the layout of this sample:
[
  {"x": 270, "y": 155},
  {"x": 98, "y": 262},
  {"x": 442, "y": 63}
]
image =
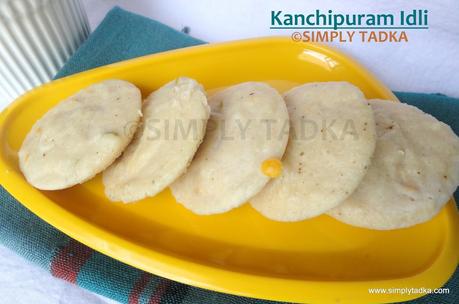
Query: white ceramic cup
[{"x": 36, "y": 38}]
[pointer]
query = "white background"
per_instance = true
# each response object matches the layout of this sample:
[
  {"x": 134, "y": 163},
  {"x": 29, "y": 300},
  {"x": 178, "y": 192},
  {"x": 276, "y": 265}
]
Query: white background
[{"x": 428, "y": 63}]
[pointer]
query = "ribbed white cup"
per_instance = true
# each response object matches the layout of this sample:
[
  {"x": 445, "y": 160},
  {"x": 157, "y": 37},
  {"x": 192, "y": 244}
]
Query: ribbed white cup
[{"x": 36, "y": 38}]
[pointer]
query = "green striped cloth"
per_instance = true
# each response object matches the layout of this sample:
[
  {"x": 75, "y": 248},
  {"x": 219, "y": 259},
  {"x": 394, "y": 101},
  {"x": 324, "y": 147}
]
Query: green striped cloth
[{"x": 123, "y": 35}]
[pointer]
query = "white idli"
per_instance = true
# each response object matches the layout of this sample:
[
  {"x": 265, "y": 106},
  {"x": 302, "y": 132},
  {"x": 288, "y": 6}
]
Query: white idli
[
  {"x": 414, "y": 172},
  {"x": 332, "y": 139},
  {"x": 249, "y": 124},
  {"x": 173, "y": 126},
  {"x": 80, "y": 136}
]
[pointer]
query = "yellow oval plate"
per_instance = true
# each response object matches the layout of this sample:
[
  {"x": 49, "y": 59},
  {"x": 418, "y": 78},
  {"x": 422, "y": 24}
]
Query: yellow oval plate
[{"x": 239, "y": 252}]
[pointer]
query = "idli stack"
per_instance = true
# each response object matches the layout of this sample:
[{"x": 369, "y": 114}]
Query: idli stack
[{"x": 322, "y": 148}]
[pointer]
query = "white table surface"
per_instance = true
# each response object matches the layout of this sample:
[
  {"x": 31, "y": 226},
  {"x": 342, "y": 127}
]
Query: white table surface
[{"x": 428, "y": 63}]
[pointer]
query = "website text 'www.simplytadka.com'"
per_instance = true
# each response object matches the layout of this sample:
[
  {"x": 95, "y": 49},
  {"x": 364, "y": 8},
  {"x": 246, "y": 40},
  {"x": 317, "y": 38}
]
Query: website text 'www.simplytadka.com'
[{"x": 408, "y": 290}]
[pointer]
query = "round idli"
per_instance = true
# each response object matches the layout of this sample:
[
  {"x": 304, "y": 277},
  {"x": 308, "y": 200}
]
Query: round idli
[
  {"x": 248, "y": 124},
  {"x": 332, "y": 139},
  {"x": 81, "y": 136},
  {"x": 414, "y": 172},
  {"x": 173, "y": 126}
]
